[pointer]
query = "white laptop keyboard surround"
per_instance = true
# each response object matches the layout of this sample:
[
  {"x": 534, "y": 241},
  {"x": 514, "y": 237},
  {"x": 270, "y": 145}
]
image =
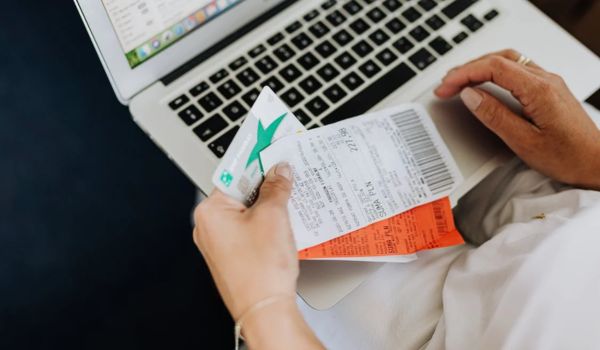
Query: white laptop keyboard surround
[{"x": 334, "y": 62}]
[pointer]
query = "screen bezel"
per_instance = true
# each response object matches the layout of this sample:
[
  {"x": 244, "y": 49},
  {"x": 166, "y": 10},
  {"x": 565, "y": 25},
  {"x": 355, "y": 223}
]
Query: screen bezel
[{"x": 127, "y": 81}]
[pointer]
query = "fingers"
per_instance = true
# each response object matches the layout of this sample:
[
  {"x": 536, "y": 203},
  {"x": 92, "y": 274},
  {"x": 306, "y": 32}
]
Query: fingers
[
  {"x": 498, "y": 70},
  {"x": 511, "y": 128},
  {"x": 277, "y": 187}
]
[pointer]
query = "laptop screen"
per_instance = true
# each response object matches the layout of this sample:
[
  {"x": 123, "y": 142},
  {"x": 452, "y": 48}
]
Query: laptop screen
[{"x": 147, "y": 27}]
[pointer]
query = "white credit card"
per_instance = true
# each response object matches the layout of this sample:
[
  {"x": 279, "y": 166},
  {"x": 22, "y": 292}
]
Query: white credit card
[{"x": 240, "y": 173}]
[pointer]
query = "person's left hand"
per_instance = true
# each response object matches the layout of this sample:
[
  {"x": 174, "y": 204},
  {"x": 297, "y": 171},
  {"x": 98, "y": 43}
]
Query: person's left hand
[{"x": 250, "y": 251}]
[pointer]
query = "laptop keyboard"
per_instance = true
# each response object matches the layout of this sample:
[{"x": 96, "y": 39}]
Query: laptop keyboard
[{"x": 331, "y": 63}]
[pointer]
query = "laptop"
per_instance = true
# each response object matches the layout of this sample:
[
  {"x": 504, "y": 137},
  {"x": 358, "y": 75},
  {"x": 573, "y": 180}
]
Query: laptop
[{"x": 189, "y": 70}]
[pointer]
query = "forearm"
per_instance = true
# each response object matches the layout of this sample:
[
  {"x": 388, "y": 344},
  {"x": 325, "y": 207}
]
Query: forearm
[{"x": 279, "y": 326}]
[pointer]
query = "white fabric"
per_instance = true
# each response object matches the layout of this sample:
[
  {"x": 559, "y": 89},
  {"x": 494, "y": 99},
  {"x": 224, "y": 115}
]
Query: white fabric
[{"x": 530, "y": 279}]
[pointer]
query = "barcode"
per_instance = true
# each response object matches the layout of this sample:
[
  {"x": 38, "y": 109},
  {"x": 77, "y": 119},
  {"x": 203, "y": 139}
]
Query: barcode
[
  {"x": 440, "y": 219},
  {"x": 432, "y": 166}
]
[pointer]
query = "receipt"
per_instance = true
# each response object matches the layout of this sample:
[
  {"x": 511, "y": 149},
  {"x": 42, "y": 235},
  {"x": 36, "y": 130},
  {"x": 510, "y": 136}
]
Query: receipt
[
  {"x": 363, "y": 170},
  {"x": 428, "y": 226}
]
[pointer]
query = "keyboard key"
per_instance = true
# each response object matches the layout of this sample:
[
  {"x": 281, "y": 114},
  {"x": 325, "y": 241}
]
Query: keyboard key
[
  {"x": 369, "y": 68},
  {"x": 328, "y": 72},
  {"x": 411, "y": 14},
  {"x": 292, "y": 97},
  {"x": 336, "y": 18},
  {"x": 386, "y": 57},
  {"x": 359, "y": 26},
  {"x": 302, "y": 116},
  {"x": 199, "y": 89},
  {"x": 458, "y": 38},
  {"x": 352, "y": 7},
  {"x": 419, "y": 33},
  {"x": 342, "y": 37},
  {"x": 220, "y": 145},
  {"x": 370, "y": 96},
  {"x": 435, "y": 22},
  {"x": 427, "y": 5},
  {"x": 319, "y": 29},
  {"x": 345, "y": 60},
  {"x": 325, "y": 49},
  {"x": 328, "y": 4},
  {"x": 301, "y": 41},
  {"x": 472, "y": 23},
  {"x": 218, "y": 76},
  {"x": 362, "y": 48},
  {"x": 491, "y": 15},
  {"x": 237, "y": 64},
  {"x": 266, "y": 64},
  {"x": 422, "y": 59},
  {"x": 308, "y": 61},
  {"x": 178, "y": 102},
  {"x": 440, "y": 45},
  {"x": 190, "y": 115},
  {"x": 248, "y": 76},
  {"x": 284, "y": 52},
  {"x": 352, "y": 81},
  {"x": 251, "y": 96},
  {"x": 290, "y": 73},
  {"x": 335, "y": 93},
  {"x": 275, "y": 39},
  {"x": 310, "y": 85},
  {"x": 395, "y": 25},
  {"x": 229, "y": 89},
  {"x": 376, "y": 15},
  {"x": 379, "y": 37},
  {"x": 210, "y": 102},
  {"x": 311, "y": 15},
  {"x": 235, "y": 111},
  {"x": 457, "y": 7},
  {"x": 293, "y": 27},
  {"x": 210, "y": 128},
  {"x": 403, "y": 45},
  {"x": 255, "y": 52},
  {"x": 274, "y": 83},
  {"x": 317, "y": 106},
  {"x": 392, "y": 5}
]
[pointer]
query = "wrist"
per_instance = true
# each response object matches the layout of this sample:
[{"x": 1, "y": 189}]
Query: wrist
[{"x": 278, "y": 325}]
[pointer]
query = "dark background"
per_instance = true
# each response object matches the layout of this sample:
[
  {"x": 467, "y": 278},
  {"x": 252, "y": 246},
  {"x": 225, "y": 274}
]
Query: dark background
[{"x": 95, "y": 236}]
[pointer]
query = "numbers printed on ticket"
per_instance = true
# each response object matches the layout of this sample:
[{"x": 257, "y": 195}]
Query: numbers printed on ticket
[{"x": 362, "y": 170}]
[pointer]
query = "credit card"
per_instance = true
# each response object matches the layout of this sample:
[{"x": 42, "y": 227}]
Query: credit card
[{"x": 240, "y": 173}]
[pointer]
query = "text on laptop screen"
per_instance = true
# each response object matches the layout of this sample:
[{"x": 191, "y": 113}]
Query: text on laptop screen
[{"x": 146, "y": 27}]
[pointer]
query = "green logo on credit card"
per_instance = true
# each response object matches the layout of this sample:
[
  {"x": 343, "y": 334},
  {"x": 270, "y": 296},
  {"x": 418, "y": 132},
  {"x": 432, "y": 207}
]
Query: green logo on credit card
[
  {"x": 263, "y": 140},
  {"x": 226, "y": 178}
]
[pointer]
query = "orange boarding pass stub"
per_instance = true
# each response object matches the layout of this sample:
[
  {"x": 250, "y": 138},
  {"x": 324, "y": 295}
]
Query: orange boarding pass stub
[{"x": 428, "y": 226}]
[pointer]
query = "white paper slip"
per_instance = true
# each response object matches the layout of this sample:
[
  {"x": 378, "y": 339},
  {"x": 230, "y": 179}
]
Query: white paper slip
[
  {"x": 362, "y": 170},
  {"x": 240, "y": 173}
]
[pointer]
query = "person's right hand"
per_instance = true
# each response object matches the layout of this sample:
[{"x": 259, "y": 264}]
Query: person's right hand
[{"x": 554, "y": 136}]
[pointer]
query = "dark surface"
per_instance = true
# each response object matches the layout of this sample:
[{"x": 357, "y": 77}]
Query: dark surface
[{"x": 95, "y": 238}]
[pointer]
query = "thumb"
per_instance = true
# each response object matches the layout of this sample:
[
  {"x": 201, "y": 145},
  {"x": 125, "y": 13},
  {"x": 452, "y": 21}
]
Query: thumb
[
  {"x": 511, "y": 128},
  {"x": 277, "y": 187}
]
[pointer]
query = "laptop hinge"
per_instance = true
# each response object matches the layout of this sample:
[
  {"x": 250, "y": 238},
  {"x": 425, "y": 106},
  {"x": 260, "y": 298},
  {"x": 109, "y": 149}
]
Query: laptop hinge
[{"x": 189, "y": 65}]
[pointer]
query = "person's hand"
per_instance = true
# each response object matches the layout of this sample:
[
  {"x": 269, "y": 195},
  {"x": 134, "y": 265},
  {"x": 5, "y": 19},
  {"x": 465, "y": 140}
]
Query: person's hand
[
  {"x": 252, "y": 257},
  {"x": 250, "y": 251},
  {"x": 554, "y": 135}
]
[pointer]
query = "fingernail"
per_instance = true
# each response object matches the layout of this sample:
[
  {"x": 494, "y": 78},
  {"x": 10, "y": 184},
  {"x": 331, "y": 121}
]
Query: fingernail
[
  {"x": 284, "y": 169},
  {"x": 471, "y": 98}
]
